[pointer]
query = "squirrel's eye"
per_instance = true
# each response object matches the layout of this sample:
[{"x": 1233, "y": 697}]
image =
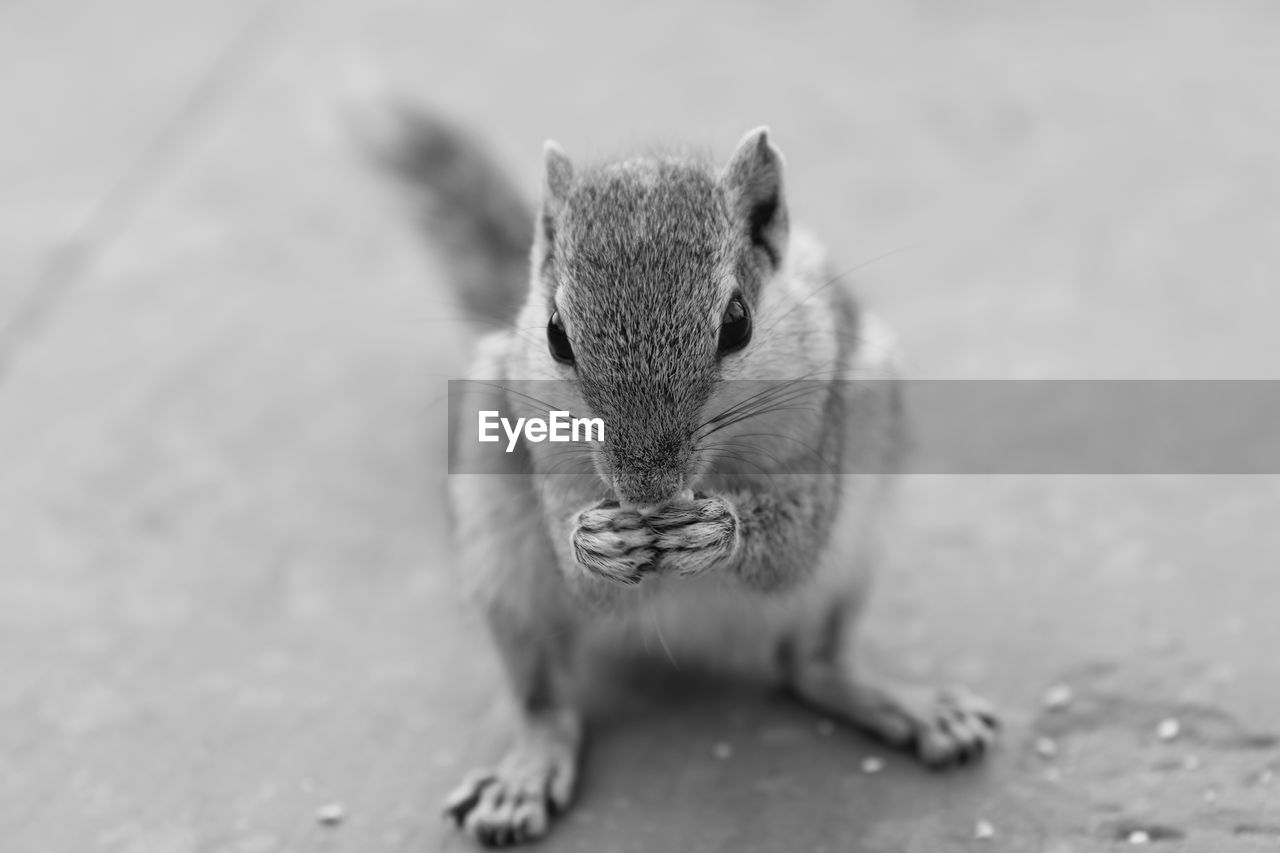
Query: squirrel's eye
[
  {"x": 735, "y": 326},
  {"x": 558, "y": 341}
]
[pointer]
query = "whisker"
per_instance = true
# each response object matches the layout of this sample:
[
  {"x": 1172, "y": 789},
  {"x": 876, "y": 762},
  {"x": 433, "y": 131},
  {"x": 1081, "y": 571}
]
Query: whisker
[
  {"x": 813, "y": 451},
  {"x": 832, "y": 280},
  {"x": 782, "y": 403},
  {"x": 539, "y": 401},
  {"x": 761, "y": 398},
  {"x": 736, "y": 456},
  {"x": 774, "y": 386}
]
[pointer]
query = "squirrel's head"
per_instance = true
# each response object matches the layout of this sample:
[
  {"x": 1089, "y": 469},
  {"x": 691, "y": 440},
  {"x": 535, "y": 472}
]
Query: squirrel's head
[{"x": 647, "y": 274}]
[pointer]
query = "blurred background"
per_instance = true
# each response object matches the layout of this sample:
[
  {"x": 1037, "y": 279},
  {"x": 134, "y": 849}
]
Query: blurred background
[{"x": 226, "y": 597}]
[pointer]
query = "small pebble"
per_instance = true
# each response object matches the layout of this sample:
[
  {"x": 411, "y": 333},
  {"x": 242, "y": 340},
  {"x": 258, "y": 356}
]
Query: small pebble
[
  {"x": 1210, "y": 796},
  {"x": 1191, "y": 762},
  {"x": 1046, "y": 747},
  {"x": 826, "y": 728},
  {"x": 871, "y": 764},
  {"x": 1168, "y": 729},
  {"x": 1052, "y": 774},
  {"x": 1139, "y": 836},
  {"x": 331, "y": 815},
  {"x": 983, "y": 830},
  {"x": 722, "y": 750},
  {"x": 1058, "y": 697}
]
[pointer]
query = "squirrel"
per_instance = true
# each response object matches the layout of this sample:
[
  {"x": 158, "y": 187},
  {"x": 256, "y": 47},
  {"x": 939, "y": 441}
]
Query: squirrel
[{"x": 646, "y": 289}]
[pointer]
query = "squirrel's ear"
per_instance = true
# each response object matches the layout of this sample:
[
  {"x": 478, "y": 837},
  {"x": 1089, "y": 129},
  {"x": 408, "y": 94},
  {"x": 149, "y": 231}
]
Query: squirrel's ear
[
  {"x": 753, "y": 184},
  {"x": 559, "y": 174},
  {"x": 556, "y": 183}
]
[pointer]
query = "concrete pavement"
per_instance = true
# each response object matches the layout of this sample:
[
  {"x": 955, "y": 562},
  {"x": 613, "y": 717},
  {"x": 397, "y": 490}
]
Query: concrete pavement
[{"x": 224, "y": 597}]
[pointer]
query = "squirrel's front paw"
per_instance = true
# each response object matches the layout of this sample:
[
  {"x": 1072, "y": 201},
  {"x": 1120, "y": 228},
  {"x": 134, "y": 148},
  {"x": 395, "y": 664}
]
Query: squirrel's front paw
[
  {"x": 613, "y": 542},
  {"x": 693, "y": 535}
]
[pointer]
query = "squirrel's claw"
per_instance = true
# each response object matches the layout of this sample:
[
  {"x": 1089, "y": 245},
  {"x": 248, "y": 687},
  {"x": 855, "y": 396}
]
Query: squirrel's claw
[
  {"x": 695, "y": 535},
  {"x": 613, "y": 543},
  {"x": 514, "y": 802},
  {"x": 683, "y": 537}
]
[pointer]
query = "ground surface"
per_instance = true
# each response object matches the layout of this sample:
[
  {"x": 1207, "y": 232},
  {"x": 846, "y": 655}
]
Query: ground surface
[{"x": 225, "y": 597}]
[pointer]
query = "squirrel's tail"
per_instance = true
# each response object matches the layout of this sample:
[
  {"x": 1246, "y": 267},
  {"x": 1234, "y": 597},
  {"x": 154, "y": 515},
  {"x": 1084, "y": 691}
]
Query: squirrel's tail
[{"x": 468, "y": 207}]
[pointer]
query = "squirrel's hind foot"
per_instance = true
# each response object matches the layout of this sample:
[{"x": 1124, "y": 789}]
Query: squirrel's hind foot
[
  {"x": 514, "y": 802},
  {"x": 946, "y": 726},
  {"x": 943, "y": 727}
]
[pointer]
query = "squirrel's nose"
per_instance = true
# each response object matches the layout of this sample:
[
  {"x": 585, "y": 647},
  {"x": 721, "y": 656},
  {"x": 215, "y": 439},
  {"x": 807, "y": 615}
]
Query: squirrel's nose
[
  {"x": 644, "y": 468},
  {"x": 648, "y": 487}
]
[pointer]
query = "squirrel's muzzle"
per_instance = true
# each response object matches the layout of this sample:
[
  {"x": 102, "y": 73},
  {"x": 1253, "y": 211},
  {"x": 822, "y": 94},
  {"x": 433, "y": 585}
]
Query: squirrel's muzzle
[
  {"x": 648, "y": 488},
  {"x": 647, "y": 455},
  {"x": 648, "y": 472}
]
